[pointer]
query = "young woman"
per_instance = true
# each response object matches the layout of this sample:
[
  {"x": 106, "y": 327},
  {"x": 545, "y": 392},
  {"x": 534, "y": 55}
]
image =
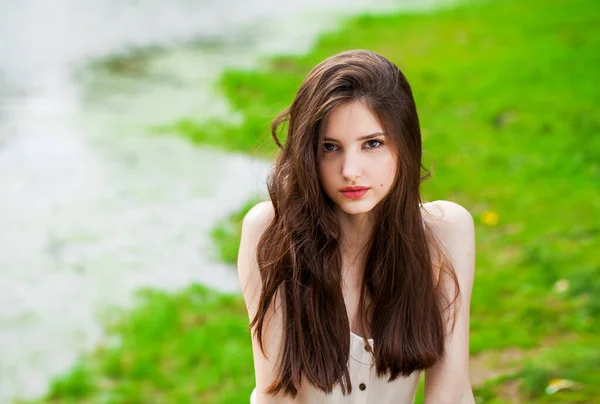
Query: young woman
[{"x": 353, "y": 285}]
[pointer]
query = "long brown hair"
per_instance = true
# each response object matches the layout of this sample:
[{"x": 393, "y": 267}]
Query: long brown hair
[{"x": 298, "y": 255}]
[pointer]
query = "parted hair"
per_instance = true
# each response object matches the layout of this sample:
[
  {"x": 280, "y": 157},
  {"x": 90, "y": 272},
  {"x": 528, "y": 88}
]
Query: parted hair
[{"x": 401, "y": 301}]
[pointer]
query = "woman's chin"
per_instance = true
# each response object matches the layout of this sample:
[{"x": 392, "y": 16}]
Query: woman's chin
[{"x": 356, "y": 207}]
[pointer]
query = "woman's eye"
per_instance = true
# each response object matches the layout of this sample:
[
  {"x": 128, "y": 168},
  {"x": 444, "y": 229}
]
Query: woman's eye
[
  {"x": 373, "y": 144},
  {"x": 329, "y": 147}
]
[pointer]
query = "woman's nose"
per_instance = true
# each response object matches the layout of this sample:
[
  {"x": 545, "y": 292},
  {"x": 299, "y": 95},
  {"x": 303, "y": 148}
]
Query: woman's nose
[{"x": 351, "y": 168}]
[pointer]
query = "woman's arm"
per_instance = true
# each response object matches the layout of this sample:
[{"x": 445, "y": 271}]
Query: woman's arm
[
  {"x": 448, "y": 380},
  {"x": 254, "y": 224}
]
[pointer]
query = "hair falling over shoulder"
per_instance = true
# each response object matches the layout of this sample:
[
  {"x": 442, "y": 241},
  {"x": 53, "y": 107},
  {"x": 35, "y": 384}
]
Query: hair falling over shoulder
[{"x": 298, "y": 255}]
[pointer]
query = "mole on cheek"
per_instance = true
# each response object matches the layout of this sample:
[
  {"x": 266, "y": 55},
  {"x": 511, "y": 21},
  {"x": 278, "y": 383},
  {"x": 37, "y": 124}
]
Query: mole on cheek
[{"x": 381, "y": 184}]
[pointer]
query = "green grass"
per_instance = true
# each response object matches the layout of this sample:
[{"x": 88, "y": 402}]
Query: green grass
[
  {"x": 190, "y": 347},
  {"x": 508, "y": 98}
]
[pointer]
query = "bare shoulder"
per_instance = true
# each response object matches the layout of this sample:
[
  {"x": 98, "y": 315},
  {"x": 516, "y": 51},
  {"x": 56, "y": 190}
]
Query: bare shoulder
[
  {"x": 447, "y": 216},
  {"x": 253, "y": 226},
  {"x": 258, "y": 218},
  {"x": 453, "y": 226}
]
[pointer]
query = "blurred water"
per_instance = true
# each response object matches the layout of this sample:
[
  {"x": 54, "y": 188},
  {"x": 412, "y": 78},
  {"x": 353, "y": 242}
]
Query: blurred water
[{"x": 92, "y": 207}]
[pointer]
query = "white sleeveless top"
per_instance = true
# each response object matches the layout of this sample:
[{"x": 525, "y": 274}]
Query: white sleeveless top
[{"x": 367, "y": 387}]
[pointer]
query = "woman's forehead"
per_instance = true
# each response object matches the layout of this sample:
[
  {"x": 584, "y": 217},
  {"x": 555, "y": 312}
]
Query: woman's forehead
[{"x": 351, "y": 121}]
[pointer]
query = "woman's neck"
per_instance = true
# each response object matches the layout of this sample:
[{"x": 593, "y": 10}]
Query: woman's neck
[{"x": 356, "y": 232}]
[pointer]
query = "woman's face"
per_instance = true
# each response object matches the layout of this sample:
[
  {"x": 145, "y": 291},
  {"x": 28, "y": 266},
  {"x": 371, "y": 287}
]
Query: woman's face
[{"x": 358, "y": 163}]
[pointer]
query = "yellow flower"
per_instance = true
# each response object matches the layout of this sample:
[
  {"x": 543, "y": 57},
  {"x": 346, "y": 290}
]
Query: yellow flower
[
  {"x": 490, "y": 217},
  {"x": 558, "y": 384}
]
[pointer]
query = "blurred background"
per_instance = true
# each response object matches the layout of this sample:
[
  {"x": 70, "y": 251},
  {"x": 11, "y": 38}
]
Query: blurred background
[{"x": 134, "y": 138}]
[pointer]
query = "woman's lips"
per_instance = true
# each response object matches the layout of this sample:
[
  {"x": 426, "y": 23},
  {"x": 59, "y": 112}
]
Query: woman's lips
[{"x": 354, "y": 193}]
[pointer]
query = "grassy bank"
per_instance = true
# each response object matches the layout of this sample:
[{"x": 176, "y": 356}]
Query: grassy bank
[
  {"x": 508, "y": 99},
  {"x": 190, "y": 347}
]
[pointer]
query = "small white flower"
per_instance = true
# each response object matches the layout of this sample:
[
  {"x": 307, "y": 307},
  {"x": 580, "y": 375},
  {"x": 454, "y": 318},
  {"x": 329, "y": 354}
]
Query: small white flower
[{"x": 561, "y": 286}]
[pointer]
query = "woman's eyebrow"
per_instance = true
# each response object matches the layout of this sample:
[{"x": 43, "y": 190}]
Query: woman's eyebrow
[{"x": 328, "y": 139}]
